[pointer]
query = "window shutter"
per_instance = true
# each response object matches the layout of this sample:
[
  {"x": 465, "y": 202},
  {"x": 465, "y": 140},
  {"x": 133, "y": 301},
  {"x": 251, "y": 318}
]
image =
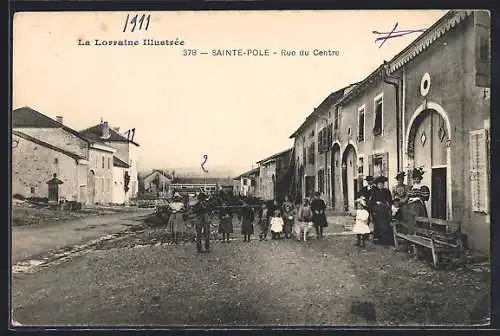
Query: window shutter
[
  {"x": 330, "y": 135},
  {"x": 385, "y": 164},
  {"x": 478, "y": 170},
  {"x": 370, "y": 165}
]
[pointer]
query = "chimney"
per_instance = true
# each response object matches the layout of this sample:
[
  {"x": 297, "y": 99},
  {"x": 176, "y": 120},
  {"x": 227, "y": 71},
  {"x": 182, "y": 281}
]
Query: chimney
[
  {"x": 59, "y": 119},
  {"x": 105, "y": 130}
]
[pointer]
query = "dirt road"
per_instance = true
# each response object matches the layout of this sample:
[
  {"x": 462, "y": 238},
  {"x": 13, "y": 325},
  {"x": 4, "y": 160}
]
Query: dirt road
[
  {"x": 30, "y": 241},
  {"x": 328, "y": 282}
]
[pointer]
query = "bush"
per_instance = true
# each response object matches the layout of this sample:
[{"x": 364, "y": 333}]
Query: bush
[
  {"x": 18, "y": 197},
  {"x": 43, "y": 200}
]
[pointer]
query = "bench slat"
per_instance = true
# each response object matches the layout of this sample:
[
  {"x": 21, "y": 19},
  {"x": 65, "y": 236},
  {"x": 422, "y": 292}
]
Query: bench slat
[{"x": 438, "y": 221}]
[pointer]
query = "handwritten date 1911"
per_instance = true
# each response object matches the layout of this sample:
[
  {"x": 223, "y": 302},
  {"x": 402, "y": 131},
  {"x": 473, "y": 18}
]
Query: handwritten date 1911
[{"x": 137, "y": 22}]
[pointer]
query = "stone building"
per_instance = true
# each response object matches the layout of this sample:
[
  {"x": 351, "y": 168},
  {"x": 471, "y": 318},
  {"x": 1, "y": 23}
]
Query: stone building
[
  {"x": 246, "y": 183},
  {"x": 275, "y": 176}
]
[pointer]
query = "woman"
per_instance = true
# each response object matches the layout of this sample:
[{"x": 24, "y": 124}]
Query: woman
[
  {"x": 247, "y": 218},
  {"x": 225, "y": 223},
  {"x": 381, "y": 202},
  {"x": 288, "y": 211},
  {"x": 400, "y": 199},
  {"x": 318, "y": 208},
  {"x": 418, "y": 194}
]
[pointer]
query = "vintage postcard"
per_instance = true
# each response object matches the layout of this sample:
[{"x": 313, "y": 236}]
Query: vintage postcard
[{"x": 251, "y": 168}]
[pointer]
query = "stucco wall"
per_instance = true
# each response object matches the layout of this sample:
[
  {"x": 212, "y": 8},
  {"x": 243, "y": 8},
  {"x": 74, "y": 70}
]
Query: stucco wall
[
  {"x": 103, "y": 176},
  {"x": 33, "y": 165}
]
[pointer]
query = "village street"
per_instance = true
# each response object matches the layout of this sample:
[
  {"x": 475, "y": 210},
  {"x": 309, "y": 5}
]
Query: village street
[
  {"x": 138, "y": 280},
  {"x": 31, "y": 241}
]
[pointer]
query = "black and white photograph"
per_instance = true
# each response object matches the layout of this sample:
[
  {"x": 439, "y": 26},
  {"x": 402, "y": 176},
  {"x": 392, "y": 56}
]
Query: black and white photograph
[{"x": 247, "y": 169}]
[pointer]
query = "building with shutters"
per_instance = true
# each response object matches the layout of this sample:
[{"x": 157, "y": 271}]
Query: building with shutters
[
  {"x": 313, "y": 142},
  {"x": 246, "y": 183},
  {"x": 366, "y": 142},
  {"x": 429, "y": 107},
  {"x": 445, "y": 74}
]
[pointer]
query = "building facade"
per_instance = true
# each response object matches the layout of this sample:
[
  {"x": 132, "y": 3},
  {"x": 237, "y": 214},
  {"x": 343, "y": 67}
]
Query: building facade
[
  {"x": 275, "y": 176},
  {"x": 120, "y": 173},
  {"x": 126, "y": 150},
  {"x": 246, "y": 183},
  {"x": 446, "y": 116}
]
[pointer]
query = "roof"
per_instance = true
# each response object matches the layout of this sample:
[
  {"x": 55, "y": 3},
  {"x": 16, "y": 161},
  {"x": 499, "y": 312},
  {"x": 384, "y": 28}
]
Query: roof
[
  {"x": 324, "y": 106},
  {"x": 119, "y": 163},
  {"x": 446, "y": 23},
  {"x": 360, "y": 86},
  {"x": 47, "y": 145},
  {"x": 144, "y": 175},
  {"x": 26, "y": 117},
  {"x": 95, "y": 132},
  {"x": 245, "y": 174},
  {"x": 276, "y": 155}
]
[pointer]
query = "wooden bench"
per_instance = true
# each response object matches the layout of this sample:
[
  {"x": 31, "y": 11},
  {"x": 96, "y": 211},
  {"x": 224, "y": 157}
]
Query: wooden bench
[{"x": 438, "y": 235}]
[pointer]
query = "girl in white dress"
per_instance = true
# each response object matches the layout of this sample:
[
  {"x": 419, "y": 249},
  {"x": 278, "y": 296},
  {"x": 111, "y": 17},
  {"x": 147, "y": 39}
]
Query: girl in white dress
[
  {"x": 277, "y": 225},
  {"x": 361, "y": 228}
]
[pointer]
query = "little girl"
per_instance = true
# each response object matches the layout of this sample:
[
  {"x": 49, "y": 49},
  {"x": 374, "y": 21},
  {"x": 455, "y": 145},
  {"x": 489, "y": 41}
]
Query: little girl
[
  {"x": 361, "y": 228},
  {"x": 276, "y": 224}
]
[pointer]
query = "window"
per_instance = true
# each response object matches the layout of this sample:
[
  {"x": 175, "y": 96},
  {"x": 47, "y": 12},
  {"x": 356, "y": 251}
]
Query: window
[
  {"x": 304, "y": 154},
  {"x": 479, "y": 174},
  {"x": 32, "y": 190},
  {"x": 361, "y": 123},
  {"x": 321, "y": 181},
  {"x": 56, "y": 161},
  {"x": 103, "y": 162},
  {"x": 484, "y": 49},
  {"x": 245, "y": 181},
  {"x": 337, "y": 119},
  {"x": 377, "y": 127},
  {"x": 311, "y": 154},
  {"x": 109, "y": 163},
  {"x": 360, "y": 166},
  {"x": 379, "y": 165}
]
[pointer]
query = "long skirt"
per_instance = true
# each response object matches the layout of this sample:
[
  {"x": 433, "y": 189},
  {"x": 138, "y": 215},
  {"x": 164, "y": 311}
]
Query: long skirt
[
  {"x": 319, "y": 220},
  {"x": 246, "y": 227},
  {"x": 382, "y": 227},
  {"x": 226, "y": 225},
  {"x": 409, "y": 212}
]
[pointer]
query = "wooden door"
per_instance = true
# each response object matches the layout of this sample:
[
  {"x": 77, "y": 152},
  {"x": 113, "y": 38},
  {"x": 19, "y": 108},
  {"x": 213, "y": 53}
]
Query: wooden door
[
  {"x": 438, "y": 187},
  {"x": 54, "y": 192}
]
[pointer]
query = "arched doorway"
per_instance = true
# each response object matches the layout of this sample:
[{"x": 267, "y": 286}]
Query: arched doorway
[
  {"x": 349, "y": 173},
  {"x": 91, "y": 187},
  {"x": 336, "y": 174},
  {"x": 428, "y": 147}
]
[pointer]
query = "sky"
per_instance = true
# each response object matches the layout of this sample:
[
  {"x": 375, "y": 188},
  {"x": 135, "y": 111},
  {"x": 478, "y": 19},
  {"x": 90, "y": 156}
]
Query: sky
[{"x": 235, "y": 109}]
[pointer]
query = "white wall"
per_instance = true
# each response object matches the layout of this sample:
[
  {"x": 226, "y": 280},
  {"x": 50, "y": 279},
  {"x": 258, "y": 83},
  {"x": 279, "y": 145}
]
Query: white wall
[{"x": 118, "y": 185}]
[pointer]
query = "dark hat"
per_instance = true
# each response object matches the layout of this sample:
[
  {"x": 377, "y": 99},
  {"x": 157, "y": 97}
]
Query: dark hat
[
  {"x": 381, "y": 179},
  {"x": 369, "y": 178},
  {"x": 401, "y": 174},
  {"x": 417, "y": 173}
]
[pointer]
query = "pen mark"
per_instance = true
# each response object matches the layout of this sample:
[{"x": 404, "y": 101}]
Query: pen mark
[
  {"x": 393, "y": 33},
  {"x": 205, "y": 159}
]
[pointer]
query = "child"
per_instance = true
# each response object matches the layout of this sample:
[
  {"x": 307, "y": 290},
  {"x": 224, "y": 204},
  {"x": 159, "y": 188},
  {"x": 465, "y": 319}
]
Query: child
[
  {"x": 276, "y": 224},
  {"x": 226, "y": 223},
  {"x": 396, "y": 204},
  {"x": 263, "y": 222},
  {"x": 304, "y": 223},
  {"x": 361, "y": 228}
]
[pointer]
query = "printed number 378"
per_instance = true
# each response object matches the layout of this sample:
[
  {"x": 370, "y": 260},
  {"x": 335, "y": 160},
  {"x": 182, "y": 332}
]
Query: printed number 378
[{"x": 137, "y": 22}]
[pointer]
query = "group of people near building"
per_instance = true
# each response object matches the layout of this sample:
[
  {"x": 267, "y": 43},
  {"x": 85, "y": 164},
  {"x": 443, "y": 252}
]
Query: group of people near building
[{"x": 377, "y": 207}]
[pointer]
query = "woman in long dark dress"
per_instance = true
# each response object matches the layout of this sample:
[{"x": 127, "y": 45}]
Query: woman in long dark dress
[
  {"x": 247, "y": 218},
  {"x": 418, "y": 194},
  {"x": 226, "y": 223},
  {"x": 381, "y": 202},
  {"x": 318, "y": 208}
]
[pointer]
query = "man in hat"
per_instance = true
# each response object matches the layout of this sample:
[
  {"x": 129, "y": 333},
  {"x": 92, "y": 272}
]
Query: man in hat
[
  {"x": 368, "y": 189},
  {"x": 381, "y": 203},
  {"x": 200, "y": 210}
]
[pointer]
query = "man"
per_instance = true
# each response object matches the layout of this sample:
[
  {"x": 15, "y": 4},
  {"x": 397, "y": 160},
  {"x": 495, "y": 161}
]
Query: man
[
  {"x": 288, "y": 211},
  {"x": 318, "y": 208},
  {"x": 367, "y": 190},
  {"x": 200, "y": 211}
]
